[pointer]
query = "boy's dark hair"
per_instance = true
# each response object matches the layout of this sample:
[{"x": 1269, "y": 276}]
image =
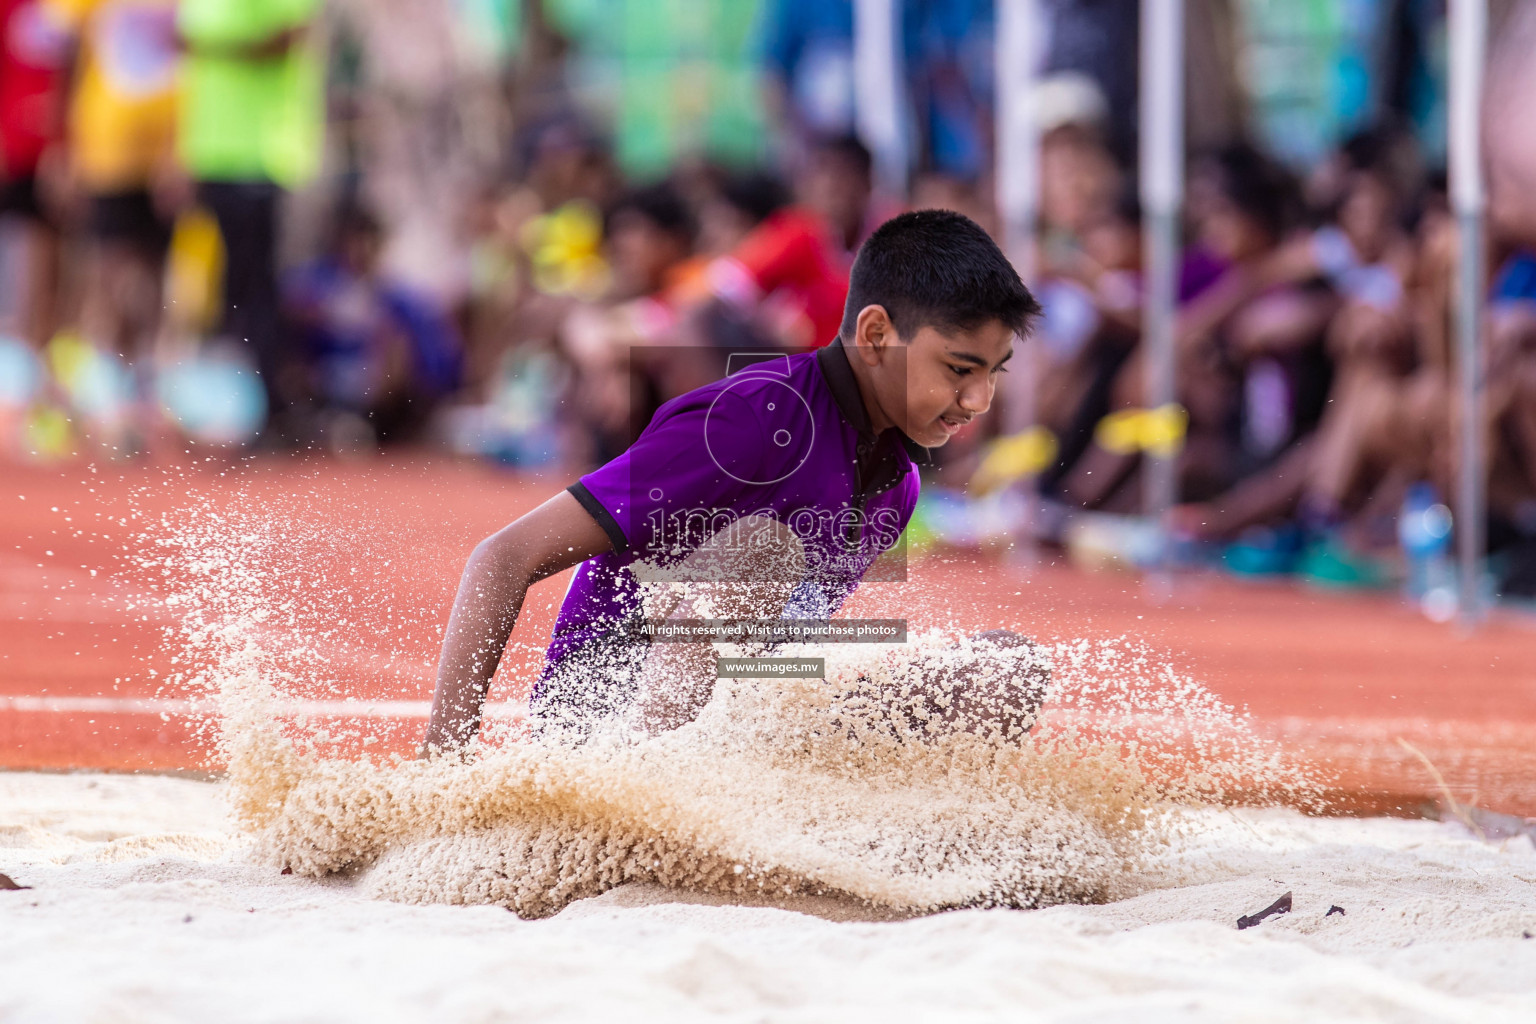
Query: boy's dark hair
[{"x": 936, "y": 268}]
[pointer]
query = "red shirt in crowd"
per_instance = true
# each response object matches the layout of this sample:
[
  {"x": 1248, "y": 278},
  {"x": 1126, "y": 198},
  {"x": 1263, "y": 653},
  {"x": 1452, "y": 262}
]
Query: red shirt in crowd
[
  {"x": 791, "y": 265},
  {"x": 31, "y": 68}
]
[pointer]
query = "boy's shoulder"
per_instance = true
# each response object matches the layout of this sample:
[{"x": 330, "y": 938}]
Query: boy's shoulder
[
  {"x": 776, "y": 389},
  {"x": 757, "y": 424}
]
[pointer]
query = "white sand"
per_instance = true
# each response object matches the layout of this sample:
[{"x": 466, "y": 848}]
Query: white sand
[{"x": 145, "y": 908}]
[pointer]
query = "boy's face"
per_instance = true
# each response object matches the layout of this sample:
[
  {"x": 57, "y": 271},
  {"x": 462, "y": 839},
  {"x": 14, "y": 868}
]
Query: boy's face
[{"x": 933, "y": 383}]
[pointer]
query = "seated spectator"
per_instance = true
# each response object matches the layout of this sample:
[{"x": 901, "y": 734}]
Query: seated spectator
[
  {"x": 113, "y": 179},
  {"x": 1248, "y": 345},
  {"x": 1091, "y": 325},
  {"x": 731, "y": 205},
  {"x": 1511, "y": 424},
  {"x": 1079, "y": 178},
  {"x": 649, "y": 241},
  {"x": 379, "y": 356},
  {"x": 791, "y": 271},
  {"x": 1367, "y": 259},
  {"x": 33, "y": 52},
  {"x": 731, "y": 208}
]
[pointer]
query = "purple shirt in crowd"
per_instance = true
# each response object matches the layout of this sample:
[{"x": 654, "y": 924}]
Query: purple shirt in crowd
[{"x": 787, "y": 437}]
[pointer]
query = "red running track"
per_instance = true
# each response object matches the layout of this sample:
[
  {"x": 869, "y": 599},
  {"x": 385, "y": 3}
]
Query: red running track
[{"x": 366, "y": 557}]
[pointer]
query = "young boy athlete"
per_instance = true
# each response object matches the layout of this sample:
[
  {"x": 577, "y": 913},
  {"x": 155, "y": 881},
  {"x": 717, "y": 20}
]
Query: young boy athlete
[{"x": 783, "y": 481}]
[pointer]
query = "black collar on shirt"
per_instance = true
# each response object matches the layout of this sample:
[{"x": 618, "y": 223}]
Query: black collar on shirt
[{"x": 880, "y": 467}]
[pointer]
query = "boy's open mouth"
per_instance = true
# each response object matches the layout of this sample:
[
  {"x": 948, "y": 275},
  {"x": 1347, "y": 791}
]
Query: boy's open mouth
[{"x": 951, "y": 424}]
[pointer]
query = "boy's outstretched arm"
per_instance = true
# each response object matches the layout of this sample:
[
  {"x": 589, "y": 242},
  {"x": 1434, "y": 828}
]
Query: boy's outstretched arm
[{"x": 556, "y": 535}]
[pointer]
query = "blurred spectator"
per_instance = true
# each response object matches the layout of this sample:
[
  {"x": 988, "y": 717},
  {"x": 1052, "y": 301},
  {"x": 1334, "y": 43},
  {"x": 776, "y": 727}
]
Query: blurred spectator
[
  {"x": 649, "y": 240},
  {"x": 1090, "y": 326},
  {"x": 1366, "y": 259},
  {"x": 33, "y": 52},
  {"x": 730, "y": 205},
  {"x": 949, "y": 47},
  {"x": 836, "y": 186},
  {"x": 1250, "y": 372},
  {"x": 1512, "y": 422},
  {"x": 792, "y": 269},
  {"x": 1098, "y": 39},
  {"x": 807, "y": 50},
  {"x": 429, "y": 126},
  {"x": 1079, "y": 177},
  {"x": 380, "y": 356},
  {"x": 118, "y": 155},
  {"x": 250, "y": 127}
]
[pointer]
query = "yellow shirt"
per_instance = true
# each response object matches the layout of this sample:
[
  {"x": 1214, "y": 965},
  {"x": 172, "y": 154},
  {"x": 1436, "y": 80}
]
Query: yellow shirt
[{"x": 122, "y": 115}]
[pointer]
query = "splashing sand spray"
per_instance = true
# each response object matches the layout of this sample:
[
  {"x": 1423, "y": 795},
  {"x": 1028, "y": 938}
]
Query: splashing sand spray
[{"x": 848, "y": 786}]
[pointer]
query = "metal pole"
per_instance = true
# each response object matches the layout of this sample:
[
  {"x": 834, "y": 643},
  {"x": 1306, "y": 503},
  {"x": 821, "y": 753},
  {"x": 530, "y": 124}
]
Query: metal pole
[
  {"x": 1020, "y": 49},
  {"x": 1468, "y": 25},
  {"x": 1161, "y": 152},
  {"x": 878, "y": 92}
]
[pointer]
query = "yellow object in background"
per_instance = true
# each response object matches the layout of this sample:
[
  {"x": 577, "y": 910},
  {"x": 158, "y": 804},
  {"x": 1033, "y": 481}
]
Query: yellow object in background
[
  {"x": 122, "y": 116},
  {"x": 97, "y": 384},
  {"x": 566, "y": 249},
  {"x": 1159, "y": 431},
  {"x": 48, "y": 434},
  {"x": 195, "y": 272},
  {"x": 69, "y": 358},
  {"x": 1014, "y": 457}
]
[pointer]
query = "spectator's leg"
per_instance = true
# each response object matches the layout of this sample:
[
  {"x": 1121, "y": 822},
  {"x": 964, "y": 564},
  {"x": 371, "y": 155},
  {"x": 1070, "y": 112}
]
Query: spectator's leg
[
  {"x": 1098, "y": 474},
  {"x": 1363, "y": 439},
  {"x": 1101, "y": 367},
  {"x": 40, "y": 291},
  {"x": 247, "y": 215}
]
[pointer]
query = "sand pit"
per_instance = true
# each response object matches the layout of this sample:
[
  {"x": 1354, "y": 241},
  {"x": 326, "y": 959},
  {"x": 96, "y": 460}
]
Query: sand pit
[
  {"x": 146, "y": 906},
  {"x": 785, "y": 858}
]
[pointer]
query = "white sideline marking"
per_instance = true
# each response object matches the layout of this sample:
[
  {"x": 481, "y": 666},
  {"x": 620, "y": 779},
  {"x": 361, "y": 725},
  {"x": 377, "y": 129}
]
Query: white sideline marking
[{"x": 182, "y": 708}]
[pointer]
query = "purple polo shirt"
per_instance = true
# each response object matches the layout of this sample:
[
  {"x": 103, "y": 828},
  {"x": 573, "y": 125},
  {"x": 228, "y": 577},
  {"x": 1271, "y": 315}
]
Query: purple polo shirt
[{"x": 787, "y": 437}]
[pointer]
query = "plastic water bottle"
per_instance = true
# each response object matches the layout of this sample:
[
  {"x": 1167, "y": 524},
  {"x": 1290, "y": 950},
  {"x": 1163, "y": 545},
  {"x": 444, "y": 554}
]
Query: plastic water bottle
[{"x": 1424, "y": 531}]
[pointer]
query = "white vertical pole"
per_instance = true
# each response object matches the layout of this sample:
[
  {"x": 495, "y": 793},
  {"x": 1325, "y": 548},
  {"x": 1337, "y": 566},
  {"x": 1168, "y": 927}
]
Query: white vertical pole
[
  {"x": 1020, "y": 42},
  {"x": 879, "y": 94},
  {"x": 1162, "y": 187},
  {"x": 1468, "y": 25},
  {"x": 1020, "y": 39}
]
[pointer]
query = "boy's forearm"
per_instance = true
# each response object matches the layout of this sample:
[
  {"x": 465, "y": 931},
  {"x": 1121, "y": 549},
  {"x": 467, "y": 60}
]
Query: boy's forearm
[
  {"x": 490, "y": 596},
  {"x": 555, "y": 536}
]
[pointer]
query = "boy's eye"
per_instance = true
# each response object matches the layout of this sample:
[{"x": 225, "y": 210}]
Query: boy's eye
[{"x": 960, "y": 371}]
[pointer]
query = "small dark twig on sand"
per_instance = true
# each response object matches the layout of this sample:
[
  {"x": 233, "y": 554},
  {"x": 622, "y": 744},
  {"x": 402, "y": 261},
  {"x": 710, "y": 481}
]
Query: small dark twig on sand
[
  {"x": 1280, "y": 906},
  {"x": 1335, "y": 909}
]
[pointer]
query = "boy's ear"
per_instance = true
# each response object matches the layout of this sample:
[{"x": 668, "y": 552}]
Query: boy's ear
[{"x": 873, "y": 328}]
